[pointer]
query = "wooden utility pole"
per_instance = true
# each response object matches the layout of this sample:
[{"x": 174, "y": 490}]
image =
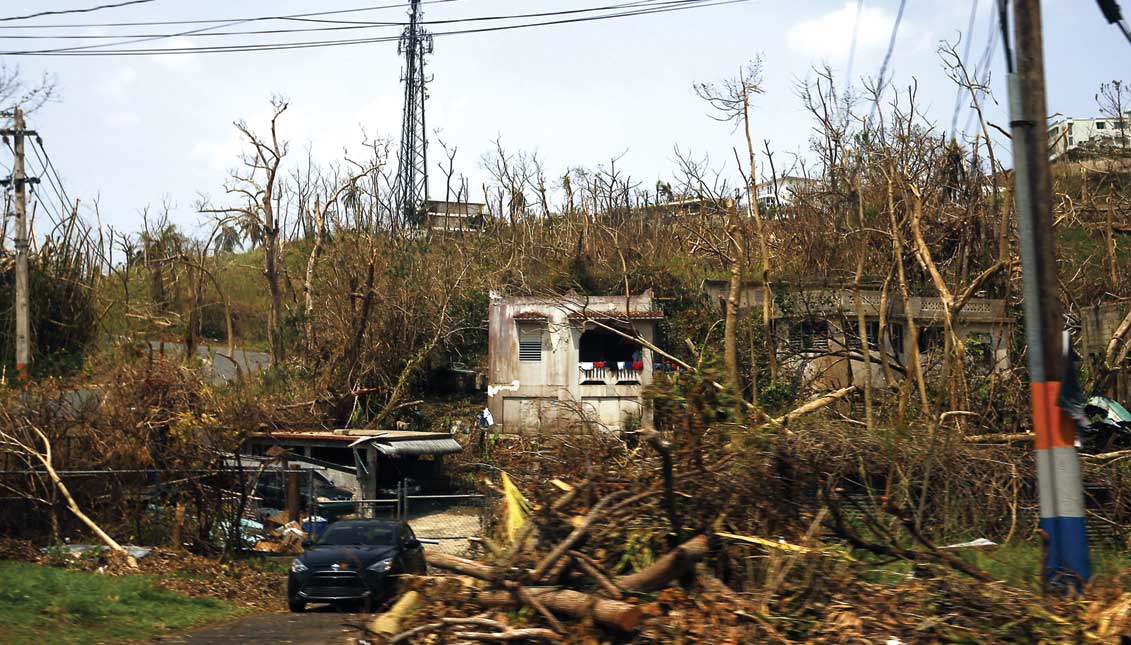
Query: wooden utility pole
[
  {"x": 19, "y": 181},
  {"x": 1058, "y": 466}
]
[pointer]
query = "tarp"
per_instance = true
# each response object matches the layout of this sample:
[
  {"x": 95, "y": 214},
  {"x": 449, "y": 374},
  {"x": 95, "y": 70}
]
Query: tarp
[{"x": 1114, "y": 413}]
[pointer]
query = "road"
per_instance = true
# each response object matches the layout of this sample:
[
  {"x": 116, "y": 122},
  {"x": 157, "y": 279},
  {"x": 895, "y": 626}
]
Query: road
[
  {"x": 218, "y": 368},
  {"x": 313, "y": 627}
]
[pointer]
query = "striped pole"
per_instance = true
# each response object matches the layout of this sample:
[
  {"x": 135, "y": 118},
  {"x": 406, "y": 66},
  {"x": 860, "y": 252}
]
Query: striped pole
[{"x": 1058, "y": 467}]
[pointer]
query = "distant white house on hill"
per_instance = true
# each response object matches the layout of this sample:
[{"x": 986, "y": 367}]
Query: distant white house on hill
[
  {"x": 455, "y": 217},
  {"x": 784, "y": 191},
  {"x": 1068, "y": 134}
]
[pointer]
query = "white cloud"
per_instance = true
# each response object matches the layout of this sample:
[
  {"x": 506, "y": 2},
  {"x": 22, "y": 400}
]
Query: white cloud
[
  {"x": 118, "y": 89},
  {"x": 178, "y": 62},
  {"x": 829, "y": 36},
  {"x": 121, "y": 119}
]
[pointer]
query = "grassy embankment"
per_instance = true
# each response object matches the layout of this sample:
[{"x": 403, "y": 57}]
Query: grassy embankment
[{"x": 40, "y": 604}]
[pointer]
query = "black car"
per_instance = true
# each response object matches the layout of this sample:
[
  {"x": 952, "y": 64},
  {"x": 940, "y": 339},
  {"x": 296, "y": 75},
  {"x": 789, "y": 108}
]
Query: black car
[
  {"x": 332, "y": 500},
  {"x": 355, "y": 561}
]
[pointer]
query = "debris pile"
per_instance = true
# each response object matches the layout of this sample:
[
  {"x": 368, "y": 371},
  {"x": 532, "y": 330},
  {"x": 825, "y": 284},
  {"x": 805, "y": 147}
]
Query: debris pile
[{"x": 631, "y": 556}]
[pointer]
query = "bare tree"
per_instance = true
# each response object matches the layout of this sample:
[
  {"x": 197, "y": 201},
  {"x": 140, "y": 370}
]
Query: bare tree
[
  {"x": 257, "y": 183},
  {"x": 730, "y": 100},
  {"x": 1113, "y": 100}
]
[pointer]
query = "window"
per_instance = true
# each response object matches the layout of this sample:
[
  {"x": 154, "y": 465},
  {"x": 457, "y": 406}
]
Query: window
[
  {"x": 871, "y": 329},
  {"x": 931, "y": 338},
  {"x": 530, "y": 344},
  {"x": 1100, "y": 125},
  {"x": 895, "y": 336},
  {"x": 809, "y": 335}
]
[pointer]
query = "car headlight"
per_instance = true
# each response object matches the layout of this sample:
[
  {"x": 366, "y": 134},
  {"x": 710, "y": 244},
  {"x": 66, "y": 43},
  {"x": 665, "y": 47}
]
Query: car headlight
[
  {"x": 298, "y": 567},
  {"x": 381, "y": 566}
]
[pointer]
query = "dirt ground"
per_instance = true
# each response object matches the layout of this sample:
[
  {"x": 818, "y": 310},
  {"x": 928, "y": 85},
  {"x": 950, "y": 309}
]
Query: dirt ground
[
  {"x": 314, "y": 627},
  {"x": 441, "y": 524}
]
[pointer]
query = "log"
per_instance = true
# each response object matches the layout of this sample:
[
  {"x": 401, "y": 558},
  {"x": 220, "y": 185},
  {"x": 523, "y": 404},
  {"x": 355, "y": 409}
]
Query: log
[
  {"x": 1000, "y": 437},
  {"x": 676, "y": 564},
  {"x": 574, "y": 604},
  {"x": 466, "y": 567},
  {"x": 529, "y": 633},
  {"x": 814, "y": 405},
  {"x": 390, "y": 621}
]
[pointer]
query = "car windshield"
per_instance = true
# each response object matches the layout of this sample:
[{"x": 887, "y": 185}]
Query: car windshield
[{"x": 359, "y": 534}]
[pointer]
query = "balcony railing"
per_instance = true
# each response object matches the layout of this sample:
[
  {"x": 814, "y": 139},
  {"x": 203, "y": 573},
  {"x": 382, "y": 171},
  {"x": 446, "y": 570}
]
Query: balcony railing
[{"x": 608, "y": 375}]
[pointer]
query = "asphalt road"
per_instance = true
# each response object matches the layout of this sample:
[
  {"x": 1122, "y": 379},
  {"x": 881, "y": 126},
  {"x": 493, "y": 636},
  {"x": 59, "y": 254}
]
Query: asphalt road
[
  {"x": 314, "y": 627},
  {"x": 218, "y": 368}
]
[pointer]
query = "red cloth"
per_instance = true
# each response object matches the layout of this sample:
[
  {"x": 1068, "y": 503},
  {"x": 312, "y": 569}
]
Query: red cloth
[
  {"x": 638, "y": 365},
  {"x": 599, "y": 364}
]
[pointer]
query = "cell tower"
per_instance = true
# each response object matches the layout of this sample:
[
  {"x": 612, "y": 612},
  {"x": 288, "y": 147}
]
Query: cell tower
[{"x": 411, "y": 186}]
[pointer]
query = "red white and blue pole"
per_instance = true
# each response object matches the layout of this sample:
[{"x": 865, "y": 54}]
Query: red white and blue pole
[{"x": 1058, "y": 466}]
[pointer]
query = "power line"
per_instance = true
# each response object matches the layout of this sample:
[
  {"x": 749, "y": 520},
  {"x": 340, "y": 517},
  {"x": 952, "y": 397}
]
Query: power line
[
  {"x": 99, "y": 50},
  {"x": 1114, "y": 15},
  {"x": 965, "y": 57},
  {"x": 69, "y": 11},
  {"x": 153, "y": 23},
  {"x": 891, "y": 41},
  {"x": 1003, "y": 24},
  {"x": 983, "y": 78},
  {"x": 852, "y": 46},
  {"x": 880, "y": 83},
  {"x": 341, "y": 25}
]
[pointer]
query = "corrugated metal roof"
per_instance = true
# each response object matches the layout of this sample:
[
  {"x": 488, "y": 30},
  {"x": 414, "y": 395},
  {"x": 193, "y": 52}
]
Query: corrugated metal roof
[{"x": 414, "y": 447}]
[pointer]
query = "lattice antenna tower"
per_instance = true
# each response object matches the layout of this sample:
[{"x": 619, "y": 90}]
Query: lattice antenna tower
[{"x": 411, "y": 186}]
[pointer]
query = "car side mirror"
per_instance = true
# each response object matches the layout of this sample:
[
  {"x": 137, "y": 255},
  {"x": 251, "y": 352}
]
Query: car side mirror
[
  {"x": 307, "y": 543},
  {"x": 412, "y": 544}
]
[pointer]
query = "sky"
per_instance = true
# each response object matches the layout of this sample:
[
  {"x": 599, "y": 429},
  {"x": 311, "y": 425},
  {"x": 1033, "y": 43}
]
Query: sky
[{"x": 132, "y": 132}]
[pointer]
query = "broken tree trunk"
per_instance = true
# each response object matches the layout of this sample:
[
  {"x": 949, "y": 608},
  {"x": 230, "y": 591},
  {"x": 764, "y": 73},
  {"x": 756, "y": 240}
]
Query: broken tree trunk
[
  {"x": 676, "y": 564},
  {"x": 575, "y": 604},
  {"x": 814, "y": 405}
]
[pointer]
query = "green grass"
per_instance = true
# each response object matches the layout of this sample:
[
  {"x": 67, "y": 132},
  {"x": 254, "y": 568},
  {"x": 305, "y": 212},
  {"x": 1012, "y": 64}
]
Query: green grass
[
  {"x": 1017, "y": 563},
  {"x": 40, "y": 604}
]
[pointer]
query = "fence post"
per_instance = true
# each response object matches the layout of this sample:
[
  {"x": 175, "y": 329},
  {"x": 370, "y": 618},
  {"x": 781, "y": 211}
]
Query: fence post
[
  {"x": 293, "y": 500},
  {"x": 402, "y": 501},
  {"x": 312, "y": 501}
]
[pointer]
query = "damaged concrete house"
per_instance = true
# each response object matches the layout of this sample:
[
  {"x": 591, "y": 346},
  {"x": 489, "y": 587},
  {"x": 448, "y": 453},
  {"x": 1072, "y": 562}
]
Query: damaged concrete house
[
  {"x": 817, "y": 331},
  {"x": 555, "y": 362}
]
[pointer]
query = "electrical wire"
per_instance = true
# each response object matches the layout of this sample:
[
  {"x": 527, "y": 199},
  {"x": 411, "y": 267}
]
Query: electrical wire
[
  {"x": 1114, "y": 15},
  {"x": 982, "y": 78},
  {"x": 43, "y": 173},
  {"x": 880, "y": 82},
  {"x": 852, "y": 45},
  {"x": 60, "y": 12},
  {"x": 154, "y": 23},
  {"x": 53, "y": 179},
  {"x": 99, "y": 50},
  {"x": 965, "y": 57},
  {"x": 1003, "y": 24},
  {"x": 341, "y": 25}
]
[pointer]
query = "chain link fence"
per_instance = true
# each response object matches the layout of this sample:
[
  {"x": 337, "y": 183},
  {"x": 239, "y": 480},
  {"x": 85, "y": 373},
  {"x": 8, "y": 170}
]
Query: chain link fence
[{"x": 448, "y": 523}]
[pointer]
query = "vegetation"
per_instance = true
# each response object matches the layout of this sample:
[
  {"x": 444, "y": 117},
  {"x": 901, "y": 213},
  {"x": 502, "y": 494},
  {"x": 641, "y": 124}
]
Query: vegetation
[{"x": 79, "y": 607}]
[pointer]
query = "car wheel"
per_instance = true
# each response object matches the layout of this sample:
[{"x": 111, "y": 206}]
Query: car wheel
[{"x": 296, "y": 606}]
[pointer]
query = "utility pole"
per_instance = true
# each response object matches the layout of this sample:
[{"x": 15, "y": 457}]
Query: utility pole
[
  {"x": 411, "y": 186},
  {"x": 1058, "y": 466},
  {"x": 19, "y": 182}
]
